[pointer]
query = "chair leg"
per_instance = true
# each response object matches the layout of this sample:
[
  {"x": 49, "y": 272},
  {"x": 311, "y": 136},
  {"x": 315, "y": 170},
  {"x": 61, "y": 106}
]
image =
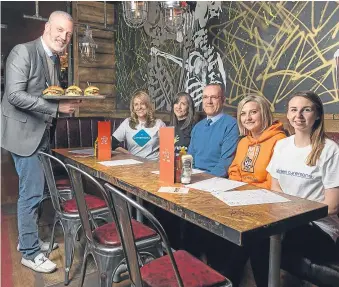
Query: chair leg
[
  {"x": 84, "y": 267},
  {"x": 51, "y": 242},
  {"x": 70, "y": 230},
  {"x": 106, "y": 266}
]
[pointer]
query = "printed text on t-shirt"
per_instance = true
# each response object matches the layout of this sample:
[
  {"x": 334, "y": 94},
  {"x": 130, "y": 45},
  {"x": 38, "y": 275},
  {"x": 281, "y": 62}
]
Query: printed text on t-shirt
[{"x": 294, "y": 173}]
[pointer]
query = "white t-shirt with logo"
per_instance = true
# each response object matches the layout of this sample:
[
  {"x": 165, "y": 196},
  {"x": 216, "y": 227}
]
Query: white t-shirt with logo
[
  {"x": 288, "y": 166},
  {"x": 142, "y": 141}
]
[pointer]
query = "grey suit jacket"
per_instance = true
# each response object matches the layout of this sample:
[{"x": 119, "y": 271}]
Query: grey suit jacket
[{"x": 24, "y": 113}]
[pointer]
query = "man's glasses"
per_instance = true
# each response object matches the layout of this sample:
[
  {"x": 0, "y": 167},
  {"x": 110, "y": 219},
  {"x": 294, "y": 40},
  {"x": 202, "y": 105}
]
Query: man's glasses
[{"x": 213, "y": 98}]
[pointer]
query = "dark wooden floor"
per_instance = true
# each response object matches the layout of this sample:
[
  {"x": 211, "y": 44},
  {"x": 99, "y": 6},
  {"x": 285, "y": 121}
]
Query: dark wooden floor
[{"x": 22, "y": 276}]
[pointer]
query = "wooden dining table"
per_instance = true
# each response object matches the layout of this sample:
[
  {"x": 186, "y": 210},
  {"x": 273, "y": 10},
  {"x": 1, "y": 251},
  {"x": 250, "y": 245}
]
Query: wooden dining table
[{"x": 238, "y": 224}]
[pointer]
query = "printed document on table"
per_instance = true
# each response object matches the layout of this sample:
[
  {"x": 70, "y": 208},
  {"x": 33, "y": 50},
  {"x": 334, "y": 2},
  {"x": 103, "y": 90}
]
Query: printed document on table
[
  {"x": 194, "y": 171},
  {"x": 177, "y": 190},
  {"x": 249, "y": 197},
  {"x": 86, "y": 151},
  {"x": 215, "y": 184},
  {"x": 119, "y": 162}
]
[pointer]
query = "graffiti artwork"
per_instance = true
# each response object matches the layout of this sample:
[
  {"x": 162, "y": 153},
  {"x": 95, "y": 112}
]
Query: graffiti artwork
[{"x": 270, "y": 48}]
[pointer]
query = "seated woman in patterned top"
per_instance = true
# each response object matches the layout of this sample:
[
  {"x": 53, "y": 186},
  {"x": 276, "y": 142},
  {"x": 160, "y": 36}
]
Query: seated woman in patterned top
[
  {"x": 141, "y": 130},
  {"x": 182, "y": 118}
]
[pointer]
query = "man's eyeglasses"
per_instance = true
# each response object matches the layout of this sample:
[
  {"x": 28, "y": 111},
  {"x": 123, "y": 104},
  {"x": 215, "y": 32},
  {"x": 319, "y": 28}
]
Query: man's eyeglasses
[{"x": 213, "y": 98}]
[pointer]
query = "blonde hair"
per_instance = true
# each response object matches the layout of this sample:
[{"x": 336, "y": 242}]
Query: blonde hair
[
  {"x": 265, "y": 111},
  {"x": 150, "y": 118},
  {"x": 318, "y": 135}
]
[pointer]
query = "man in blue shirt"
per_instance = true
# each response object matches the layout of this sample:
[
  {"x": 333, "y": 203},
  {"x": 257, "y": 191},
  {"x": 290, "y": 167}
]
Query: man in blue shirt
[{"x": 214, "y": 139}]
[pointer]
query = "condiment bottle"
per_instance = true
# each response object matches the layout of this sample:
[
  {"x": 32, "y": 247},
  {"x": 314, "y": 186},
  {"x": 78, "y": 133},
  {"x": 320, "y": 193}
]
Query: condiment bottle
[
  {"x": 96, "y": 148},
  {"x": 177, "y": 166},
  {"x": 187, "y": 164}
]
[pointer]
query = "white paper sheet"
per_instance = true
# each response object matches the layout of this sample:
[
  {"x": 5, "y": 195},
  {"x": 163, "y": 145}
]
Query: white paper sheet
[
  {"x": 249, "y": 197},
  {"x": 86, "y": 151},
  {"x": 194, "y": 171},
  {"x": 171, "y": 189},
  {"x": 216, "y": 184},
  {"x": 119, "y": 162}
]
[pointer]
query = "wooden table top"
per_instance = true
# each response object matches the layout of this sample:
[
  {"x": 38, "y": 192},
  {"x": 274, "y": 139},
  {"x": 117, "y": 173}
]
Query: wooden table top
[{"x": 238, "y": 224}]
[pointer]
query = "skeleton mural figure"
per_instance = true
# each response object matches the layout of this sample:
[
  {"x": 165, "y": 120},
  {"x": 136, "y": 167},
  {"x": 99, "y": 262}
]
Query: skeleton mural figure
[{"x": 202, "y": 64}]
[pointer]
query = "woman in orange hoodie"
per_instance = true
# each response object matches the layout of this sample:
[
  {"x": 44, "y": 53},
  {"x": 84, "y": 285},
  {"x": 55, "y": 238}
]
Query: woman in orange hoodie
[{"x": 255, "y": 149}]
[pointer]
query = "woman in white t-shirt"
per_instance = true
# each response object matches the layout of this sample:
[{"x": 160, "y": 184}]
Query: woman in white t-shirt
[
  {"x": 306, "y": 165},
  {"x": 141, "y": 130}
]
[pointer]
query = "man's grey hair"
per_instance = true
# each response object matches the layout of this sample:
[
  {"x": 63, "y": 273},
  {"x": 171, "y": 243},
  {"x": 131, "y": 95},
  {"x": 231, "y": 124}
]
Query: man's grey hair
[{"x": 60, "y": 13}]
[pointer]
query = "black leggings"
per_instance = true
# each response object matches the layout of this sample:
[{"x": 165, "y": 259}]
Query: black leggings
[{"x": 306, "y": 241}]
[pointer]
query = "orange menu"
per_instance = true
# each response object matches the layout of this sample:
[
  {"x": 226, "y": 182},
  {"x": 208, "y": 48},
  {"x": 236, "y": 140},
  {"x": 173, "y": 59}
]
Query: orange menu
[
  {"x": 166, "y": 154},
  {"x": 104, "y": 140}
]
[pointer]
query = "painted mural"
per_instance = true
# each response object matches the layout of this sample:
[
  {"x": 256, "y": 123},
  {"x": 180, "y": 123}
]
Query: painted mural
[{"x": 270, "y": 48}]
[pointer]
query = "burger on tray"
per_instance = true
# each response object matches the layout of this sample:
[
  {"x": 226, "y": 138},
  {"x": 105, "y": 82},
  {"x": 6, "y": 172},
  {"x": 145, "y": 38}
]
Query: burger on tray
[
  {"x": 53, "y": 91},
  {"x": 91, "y": 91},
  {"x": 73, "y": 91}
]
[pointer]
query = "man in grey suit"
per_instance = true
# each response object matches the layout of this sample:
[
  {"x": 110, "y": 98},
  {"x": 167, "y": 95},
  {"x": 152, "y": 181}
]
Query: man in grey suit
[{"x": 26, "y": 119}]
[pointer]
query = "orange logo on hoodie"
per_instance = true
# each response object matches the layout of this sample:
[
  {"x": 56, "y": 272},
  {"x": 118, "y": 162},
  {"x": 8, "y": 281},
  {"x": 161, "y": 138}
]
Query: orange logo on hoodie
[{"x": 251, "y": 157}]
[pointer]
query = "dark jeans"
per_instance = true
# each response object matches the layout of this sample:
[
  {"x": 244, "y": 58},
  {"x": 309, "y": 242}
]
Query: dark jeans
[{"x": 31, "y": 188}]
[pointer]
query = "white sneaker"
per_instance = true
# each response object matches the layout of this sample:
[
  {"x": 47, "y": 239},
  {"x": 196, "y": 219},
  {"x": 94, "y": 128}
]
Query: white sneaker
[
  {"x": 39, "y": 264},
  {"x": 43, "y": 246}
]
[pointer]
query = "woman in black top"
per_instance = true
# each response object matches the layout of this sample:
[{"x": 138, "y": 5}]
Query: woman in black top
[{"x": 182, "y": 118}]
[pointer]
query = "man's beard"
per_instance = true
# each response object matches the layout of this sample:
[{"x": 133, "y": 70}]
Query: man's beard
[{"x": 57, "y": 47}]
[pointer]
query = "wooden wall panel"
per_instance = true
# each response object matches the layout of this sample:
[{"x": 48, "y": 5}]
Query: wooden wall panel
[
  {"x": 105, "y": 46},
  {"x": 105, "y": 89},
  {"x": 104, "y": 108},
  {"x": 103, "y": 61},
  {"x": 98, "y": 33},
  {"x": 93, "y": 12},
  {"x": 100, "y": 73}
]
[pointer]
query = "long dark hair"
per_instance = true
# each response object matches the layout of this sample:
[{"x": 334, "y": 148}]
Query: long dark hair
[
  {"x": 190, "y": 119},
  {"x": 318, "y": 135}
]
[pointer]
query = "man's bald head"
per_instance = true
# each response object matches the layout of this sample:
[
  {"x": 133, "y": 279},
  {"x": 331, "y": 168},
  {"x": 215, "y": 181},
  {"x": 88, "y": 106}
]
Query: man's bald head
[
  {"x": 58, "y": 31},
  {"x": 57, "y": 14}
]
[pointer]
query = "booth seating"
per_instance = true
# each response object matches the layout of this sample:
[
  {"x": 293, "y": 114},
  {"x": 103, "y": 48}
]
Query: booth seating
[
  {"x": 79, "y": 132},
  {"x": 82, "y": 132}
]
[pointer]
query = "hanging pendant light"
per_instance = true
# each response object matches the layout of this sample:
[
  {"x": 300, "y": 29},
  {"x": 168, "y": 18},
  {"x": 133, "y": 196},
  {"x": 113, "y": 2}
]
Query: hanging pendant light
[
  {"x": 87, "y": 47},
  {"x": 135, "y": 13},
  {"x": 173, "y": 12}
]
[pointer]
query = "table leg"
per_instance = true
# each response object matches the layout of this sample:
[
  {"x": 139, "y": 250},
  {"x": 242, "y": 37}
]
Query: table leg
[
  {"x": 140, "y": 217},
  {"x": 274, "y": 262}
]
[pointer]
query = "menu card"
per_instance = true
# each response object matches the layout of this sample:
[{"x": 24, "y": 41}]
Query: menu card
[
  {"x": 166, "y": 154},
  {"x": 104, "y": 140},
  {"x": 216, "y": 184},
  {"x": 249, "y": 197}
]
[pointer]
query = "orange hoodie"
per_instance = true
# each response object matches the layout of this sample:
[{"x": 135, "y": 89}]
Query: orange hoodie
[{"x": 253, "y": 156}]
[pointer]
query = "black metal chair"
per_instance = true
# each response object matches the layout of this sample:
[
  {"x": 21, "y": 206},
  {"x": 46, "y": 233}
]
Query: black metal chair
[
  {"x": 66, "y": 212},
  {"x": 178, "y": 268},
  {"x": 103, "y": 242}
]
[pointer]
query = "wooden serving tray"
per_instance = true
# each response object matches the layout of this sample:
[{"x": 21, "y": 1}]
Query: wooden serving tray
[{"x": 59, "y": 98}]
